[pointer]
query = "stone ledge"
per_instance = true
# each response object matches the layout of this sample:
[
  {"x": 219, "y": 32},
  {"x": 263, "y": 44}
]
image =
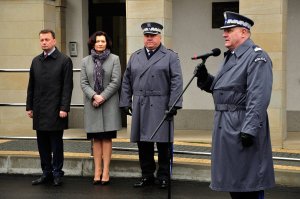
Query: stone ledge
[{"x": 82, "y": 165}]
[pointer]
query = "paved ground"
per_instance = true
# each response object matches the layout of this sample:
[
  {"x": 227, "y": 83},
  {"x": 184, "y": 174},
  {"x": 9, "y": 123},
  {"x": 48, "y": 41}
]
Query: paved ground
[{"x": 19, "y": 186}]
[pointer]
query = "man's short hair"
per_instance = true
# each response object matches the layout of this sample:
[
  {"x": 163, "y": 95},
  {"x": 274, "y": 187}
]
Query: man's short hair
[{"x": 45, "y": 31}]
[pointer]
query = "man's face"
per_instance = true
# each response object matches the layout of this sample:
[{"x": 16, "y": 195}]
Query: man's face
[
  {"x": 152, "y": 41},
  {"x": 234, "y": 37},
  {"x": 47, "y": 42}
]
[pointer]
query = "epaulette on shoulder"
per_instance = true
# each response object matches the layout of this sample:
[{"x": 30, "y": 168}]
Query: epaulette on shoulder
[
  {"x": 261, "y": 57},
  {"x": 257, "y": 49},
  {"x": 172, "y": 50},
  {"x": 137, "y": 51}
]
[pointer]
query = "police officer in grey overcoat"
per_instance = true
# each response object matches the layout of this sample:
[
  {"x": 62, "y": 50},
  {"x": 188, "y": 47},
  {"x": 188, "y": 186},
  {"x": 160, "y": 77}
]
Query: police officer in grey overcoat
[
  {"x": 241, "y": 148},
  {"x": 151, "y": 84}
]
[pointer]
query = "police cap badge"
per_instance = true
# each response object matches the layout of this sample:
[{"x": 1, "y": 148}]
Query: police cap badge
[
  {"x": 152, "y": 28},
  {"x": 232, "y": 19}
]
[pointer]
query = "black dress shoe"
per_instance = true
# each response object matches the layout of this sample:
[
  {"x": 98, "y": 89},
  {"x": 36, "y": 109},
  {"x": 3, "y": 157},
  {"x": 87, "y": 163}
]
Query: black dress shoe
[
  {"x": 42, "y": 180},
  {"x": 163, "y": 184},
  {"x": 144, "y": 182},
  {"x": 57, "y": 181}
]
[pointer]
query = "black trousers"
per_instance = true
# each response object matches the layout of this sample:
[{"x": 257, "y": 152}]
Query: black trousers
[
  {"x": 147, "y": 162},
  {"x": 51, "y": 150},
  {"x": 247, "y": 195}
]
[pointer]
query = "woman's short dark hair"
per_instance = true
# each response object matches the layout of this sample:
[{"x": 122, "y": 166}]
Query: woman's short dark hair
[{"x": 92, "y": 40}]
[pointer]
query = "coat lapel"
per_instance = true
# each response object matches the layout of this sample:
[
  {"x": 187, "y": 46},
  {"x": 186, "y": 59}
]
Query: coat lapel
[
  {"x": 232, "y": 61},
  {"x": 225, "y": 67},
  {"x": 155, "y": 58}
]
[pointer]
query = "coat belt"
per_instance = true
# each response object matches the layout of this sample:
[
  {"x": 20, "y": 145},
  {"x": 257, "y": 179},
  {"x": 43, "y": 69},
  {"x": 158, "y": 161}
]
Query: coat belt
[{"x": 229, "y": 107}]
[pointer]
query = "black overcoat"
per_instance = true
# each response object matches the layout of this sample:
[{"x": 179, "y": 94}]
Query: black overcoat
[{"x": 49, "y": 90}]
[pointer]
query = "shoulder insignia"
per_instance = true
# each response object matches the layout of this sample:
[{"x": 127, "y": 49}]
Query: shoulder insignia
[
  {"x": 172, "y": 50},
  {"x": 260, "y": 59},
  {"x": 257, "y": 49},
  {"x": 137, "y": 51}
]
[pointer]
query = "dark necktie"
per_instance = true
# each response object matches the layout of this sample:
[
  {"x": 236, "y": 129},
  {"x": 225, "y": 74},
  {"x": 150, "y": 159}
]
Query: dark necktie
[
  {"x": 229, "y": 55},
  {"x": 45, "y": 55},
  {"x": 150, "y": 53}
]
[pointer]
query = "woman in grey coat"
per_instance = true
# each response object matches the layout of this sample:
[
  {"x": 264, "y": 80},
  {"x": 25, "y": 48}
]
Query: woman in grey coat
[{"x": 100, "y": 82}]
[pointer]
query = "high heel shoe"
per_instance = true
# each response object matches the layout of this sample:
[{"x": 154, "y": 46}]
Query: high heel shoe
[
  {"x": 104, "y": 183},
  {"x": 97, "y": 182}
]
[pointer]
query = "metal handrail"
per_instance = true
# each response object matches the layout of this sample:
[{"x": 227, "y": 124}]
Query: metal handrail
[
  {"x": 199, "y": 153},
  {"x": 27, "y": 70},
  {"x": 24, "y": 104},
  {"x": 136, "y": 149}
]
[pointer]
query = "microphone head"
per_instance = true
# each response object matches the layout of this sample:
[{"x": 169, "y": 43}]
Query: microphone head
[{"x": 216, "y": 52}]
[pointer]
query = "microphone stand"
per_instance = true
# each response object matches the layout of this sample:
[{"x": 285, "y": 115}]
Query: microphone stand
[{"x": 169, "y": 133}]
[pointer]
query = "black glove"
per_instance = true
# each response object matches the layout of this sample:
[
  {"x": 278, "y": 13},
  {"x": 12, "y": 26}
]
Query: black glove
[
  {"x": 171, "y": 113},
  {"x": 127, "y": 110},
  {"x": 201, "y": 73},
  {"x": 247, "y": 139}
]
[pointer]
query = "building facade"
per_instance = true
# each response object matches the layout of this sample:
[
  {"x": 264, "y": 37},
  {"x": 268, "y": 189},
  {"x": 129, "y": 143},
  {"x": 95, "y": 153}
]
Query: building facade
[{"x": 188, "y": 29}]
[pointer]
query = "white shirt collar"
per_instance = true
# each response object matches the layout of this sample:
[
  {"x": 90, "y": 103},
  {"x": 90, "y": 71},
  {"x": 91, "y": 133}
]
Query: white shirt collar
[{"x": 51, "y": 51}]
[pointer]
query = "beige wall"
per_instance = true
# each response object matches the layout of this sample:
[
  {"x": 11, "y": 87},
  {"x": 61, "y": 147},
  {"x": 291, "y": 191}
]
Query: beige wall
[
  {"x": 192, "y": 34},
  {"x": 20, "y": 23},
  {"x": 77, "y": 30},
  {"x": 293, "y": 52},
  {"x": 269, "y": 32},
  {"x": 156, "y": 10}
]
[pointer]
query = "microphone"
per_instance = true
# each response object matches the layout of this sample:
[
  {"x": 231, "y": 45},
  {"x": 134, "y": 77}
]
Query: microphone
[{"x": 215, "y": 52}]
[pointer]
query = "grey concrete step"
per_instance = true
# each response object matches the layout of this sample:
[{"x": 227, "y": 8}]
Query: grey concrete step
[{"x": 191, "y": 160}]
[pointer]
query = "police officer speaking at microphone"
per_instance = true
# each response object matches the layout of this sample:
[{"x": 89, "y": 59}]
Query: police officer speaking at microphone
[
  {"x": 241, "y": 148},
  {"x": 151, "y": 84}
]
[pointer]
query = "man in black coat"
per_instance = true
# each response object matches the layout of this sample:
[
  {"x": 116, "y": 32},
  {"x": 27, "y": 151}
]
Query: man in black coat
[{"x": 48, "y": 103}]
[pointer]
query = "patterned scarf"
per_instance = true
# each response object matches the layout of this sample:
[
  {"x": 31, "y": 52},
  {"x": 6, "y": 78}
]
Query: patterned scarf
[{"x": 98, "y": 69}]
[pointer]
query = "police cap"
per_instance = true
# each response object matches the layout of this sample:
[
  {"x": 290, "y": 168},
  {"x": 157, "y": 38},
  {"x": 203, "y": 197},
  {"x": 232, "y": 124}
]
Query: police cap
[
  {"x": 232, "y": 19},
  {"x": 152, "y": 28}
]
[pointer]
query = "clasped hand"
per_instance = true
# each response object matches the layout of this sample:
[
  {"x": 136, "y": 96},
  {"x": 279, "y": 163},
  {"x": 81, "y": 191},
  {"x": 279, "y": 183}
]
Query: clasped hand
[{"x": 97, "y": 100}]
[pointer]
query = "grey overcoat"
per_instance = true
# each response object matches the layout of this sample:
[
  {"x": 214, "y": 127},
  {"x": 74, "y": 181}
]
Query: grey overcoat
[
  {"x": 241, "y": 92},
  {"x": 150, "y": 87},
  {"x": 106, "y": 117}
]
